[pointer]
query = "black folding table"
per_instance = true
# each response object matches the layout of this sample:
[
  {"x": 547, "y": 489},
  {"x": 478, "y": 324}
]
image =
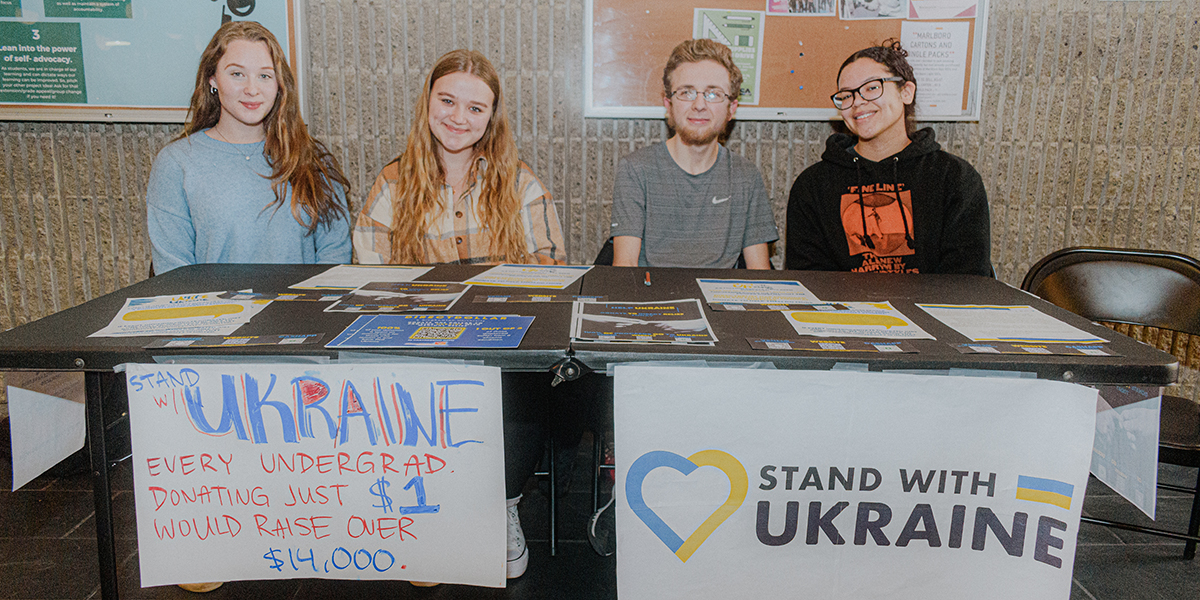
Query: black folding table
[{"x": 60, "y": 342}]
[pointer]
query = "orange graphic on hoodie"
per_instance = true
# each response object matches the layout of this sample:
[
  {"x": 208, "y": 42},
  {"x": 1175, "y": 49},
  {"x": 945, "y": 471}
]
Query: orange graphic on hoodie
[{"x": 878, "y": 223}]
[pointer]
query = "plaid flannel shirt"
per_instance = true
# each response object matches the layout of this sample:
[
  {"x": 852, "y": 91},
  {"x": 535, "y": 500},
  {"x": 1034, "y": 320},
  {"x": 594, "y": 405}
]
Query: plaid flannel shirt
[{"x": 456, "y": 235}]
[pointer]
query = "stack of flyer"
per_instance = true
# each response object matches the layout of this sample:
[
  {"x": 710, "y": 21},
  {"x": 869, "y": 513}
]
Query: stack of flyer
[{"x": 667, "y": 322}]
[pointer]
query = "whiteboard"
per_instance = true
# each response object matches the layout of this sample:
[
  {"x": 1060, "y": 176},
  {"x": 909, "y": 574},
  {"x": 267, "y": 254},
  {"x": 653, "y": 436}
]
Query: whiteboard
[
  {"x": 790, "y": 60},
  {"x": 119, "y": 60}
]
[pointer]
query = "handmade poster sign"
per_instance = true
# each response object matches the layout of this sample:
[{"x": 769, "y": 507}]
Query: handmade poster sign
[
  {"x": 778, "y": 484},
  {"x": 332, "y": 471}
]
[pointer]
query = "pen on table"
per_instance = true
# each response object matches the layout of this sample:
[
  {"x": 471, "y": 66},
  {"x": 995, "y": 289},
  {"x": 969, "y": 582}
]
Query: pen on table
[{"x": 647, "y": 278}]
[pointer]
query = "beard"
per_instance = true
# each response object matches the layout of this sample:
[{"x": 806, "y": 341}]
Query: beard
[{"x": 694, "y": 137}]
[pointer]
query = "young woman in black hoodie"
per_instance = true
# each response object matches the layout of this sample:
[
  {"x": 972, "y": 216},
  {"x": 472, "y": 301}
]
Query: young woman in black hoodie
[{"x": 887, "y": 198}]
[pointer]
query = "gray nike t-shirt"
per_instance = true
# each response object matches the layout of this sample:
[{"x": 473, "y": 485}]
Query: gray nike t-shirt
[{"x": 686, "y": 220}]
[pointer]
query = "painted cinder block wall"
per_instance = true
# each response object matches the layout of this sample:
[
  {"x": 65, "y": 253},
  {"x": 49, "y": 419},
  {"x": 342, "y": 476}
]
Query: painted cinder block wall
[{"x": 1090, "y": 135}]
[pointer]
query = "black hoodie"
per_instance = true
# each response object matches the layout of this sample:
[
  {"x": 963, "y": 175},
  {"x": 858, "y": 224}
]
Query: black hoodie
[{"x": 924, "y": 211}]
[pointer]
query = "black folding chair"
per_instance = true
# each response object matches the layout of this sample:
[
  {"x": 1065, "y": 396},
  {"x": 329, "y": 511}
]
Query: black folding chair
[{"x": 1149, "y": 288}]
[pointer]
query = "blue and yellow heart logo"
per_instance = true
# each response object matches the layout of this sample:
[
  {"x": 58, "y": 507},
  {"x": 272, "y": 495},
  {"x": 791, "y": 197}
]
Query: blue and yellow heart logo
[{"x": 649, "y": 461}]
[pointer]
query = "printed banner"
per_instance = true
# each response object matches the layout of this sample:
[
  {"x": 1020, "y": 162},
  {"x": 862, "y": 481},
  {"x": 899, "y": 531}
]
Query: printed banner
[
  {"x": 777, "y": 484},
  {"x": 333, "y": 471}
]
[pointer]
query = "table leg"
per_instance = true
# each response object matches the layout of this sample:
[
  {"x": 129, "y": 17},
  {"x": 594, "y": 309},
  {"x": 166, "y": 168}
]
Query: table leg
[
  {"x": 101, "y": 488},
  {"x": 553, "y": 498}
]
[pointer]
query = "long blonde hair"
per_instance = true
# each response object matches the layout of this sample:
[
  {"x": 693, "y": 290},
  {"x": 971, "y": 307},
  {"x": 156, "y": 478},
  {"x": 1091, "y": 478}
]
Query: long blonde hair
[
  {"x": 296, "y": 158},
  {"x": 416, "y": 201}
]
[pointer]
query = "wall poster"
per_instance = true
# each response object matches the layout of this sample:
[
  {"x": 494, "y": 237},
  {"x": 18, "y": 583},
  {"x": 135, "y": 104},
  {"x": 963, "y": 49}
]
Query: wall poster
[{"x": 118, "y": 60}]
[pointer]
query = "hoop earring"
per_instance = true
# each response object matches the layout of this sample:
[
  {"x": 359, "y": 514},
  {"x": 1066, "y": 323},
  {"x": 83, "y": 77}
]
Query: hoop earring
[{"x": 213, "y": 90}]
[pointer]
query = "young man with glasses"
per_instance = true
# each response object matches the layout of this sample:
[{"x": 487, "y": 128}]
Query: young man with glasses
[
  {"x": 886, "y": 198},
  {"x": 690, "y": 202}
]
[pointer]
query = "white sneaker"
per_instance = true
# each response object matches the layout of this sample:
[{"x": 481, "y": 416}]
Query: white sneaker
[
  {"x": 518, "y": 552},
  {"x": 201, "y": 588}
]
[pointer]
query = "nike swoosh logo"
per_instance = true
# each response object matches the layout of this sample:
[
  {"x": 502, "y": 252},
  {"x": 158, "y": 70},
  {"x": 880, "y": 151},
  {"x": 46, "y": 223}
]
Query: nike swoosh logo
[{"x": 716, "y": 201}]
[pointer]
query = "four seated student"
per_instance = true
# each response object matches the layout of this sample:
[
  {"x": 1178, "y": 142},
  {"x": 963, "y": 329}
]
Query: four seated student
[
  {"x": 245, "y": 183},
  {"x": 458, "y": 194},
  {"x": 690, "y": 202},
  {"x": 886, "y": 198}
]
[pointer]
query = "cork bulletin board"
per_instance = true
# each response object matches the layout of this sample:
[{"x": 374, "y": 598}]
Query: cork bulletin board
[{"x": 789, "y": 51}]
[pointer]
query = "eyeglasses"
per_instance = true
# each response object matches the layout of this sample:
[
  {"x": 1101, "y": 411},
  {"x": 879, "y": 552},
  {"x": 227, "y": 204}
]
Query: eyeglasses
[
  {"x": 712, "y": 96},
  {"x": 868, "y": 91}
]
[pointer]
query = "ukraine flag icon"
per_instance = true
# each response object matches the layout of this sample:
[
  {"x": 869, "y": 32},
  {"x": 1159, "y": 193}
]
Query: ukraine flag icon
[{"x": 1048, "y": 491}]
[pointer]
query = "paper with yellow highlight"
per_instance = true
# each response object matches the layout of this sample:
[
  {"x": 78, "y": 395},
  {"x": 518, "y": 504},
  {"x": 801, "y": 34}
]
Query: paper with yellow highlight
[
  {"x": 182, "y": 314},
  {"x": 856, "y": 319},
  {"x": 159, "y": 314}
]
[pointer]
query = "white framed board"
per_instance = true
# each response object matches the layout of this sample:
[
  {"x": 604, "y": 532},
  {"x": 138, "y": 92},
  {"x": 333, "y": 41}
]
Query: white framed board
[
  {"x": 789, "y": 52},
  {"x": 119, "y": 60}
]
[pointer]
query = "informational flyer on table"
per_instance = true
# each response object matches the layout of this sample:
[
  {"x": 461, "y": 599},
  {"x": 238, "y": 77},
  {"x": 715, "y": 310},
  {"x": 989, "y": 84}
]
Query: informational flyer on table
[
  {"x": 533, "y": 276},
  {"x": 738, "y": 294},
  {"x": 400, "y": 296},
  {"x": 183, "y": 314},
  {"x": 938, "y": 53},
  {"x": 349, "y": 277},
  {"x": 280, "y": 471},
  {"x": 742, "y": 31},
  {"x": 104, "y": 52},
  {"x": 446, "y": 331},
  {"x": 855, "y": 319},
  {"x": 989, "y": 323},
  {"x": 667, "y": 322}
]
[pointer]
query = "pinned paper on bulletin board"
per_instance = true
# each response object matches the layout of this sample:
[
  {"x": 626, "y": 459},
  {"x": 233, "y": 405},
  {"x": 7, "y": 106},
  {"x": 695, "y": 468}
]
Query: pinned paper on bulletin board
[
  {"x": 789, "y": 52},
  {"x": 90, "y": 60}
]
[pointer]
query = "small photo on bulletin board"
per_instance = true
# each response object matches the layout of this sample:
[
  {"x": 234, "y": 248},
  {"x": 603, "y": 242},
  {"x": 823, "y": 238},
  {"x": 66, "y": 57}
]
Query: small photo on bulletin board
[
  {"x": 789, "y": 52},
  {"x": 118, "y": 60}
]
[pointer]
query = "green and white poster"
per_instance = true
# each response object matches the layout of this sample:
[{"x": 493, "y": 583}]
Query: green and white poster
[
  {"x": 111, "y": 60},
  {"x": 742, "y": 31},
  {"x": 10, "y": 8},
  {"x": 90, "y": 9},
  {"x": 41, "y": 62}
]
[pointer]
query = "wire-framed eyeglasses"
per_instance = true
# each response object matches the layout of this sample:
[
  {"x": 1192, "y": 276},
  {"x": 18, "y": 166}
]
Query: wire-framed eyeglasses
[
  {"x": 868, "y": 91},
  {"x": 711, "y": 95}
]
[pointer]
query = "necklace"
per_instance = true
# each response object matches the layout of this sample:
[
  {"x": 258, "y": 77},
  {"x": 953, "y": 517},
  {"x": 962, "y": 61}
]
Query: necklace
[{"x": 226, "y": 140}]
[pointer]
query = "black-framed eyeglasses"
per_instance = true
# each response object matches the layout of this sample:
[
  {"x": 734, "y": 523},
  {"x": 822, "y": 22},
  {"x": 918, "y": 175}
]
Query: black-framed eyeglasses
[
  {"x": 868, "y": 91},
  {"x": 712, "y": 96}
]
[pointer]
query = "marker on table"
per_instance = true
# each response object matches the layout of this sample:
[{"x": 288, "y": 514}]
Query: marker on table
[{"x": 647, "y": 278}]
